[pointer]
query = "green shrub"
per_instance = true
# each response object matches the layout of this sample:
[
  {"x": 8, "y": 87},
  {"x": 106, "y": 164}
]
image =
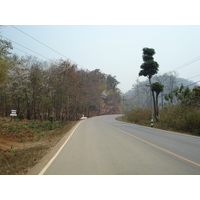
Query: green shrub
[
  {"x": 192, "y": 121},
  {"x": 22, "y": 140},
  {"x": 11, "y": 129},
  {"x": 141, "y": 116},
  {"x": 3, "y": 120},
  {"x": 21, "y": 116},
  {"x": 181, "y": 118},
  {"x": 51, "y": 118}
]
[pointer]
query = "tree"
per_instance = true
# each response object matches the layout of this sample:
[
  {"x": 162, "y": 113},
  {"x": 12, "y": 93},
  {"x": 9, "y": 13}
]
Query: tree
[
  {"x": 113, "y": 99},
  {"x": 139, "y": 96},
  {"x": 157, "y": 88},
  {"x": 185, "y": 96},
  {"x": 148, "y": 69},
  {"x": 40, "y": 89},
  {"x": 169, "y": 80},
  {"x": 196, "y": 96},
  {"x": 5, "y": 63},
  {"x": 111, "y": 83}
]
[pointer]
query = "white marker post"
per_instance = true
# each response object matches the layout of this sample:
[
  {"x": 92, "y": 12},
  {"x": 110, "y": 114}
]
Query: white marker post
[
  {"x": 83, "y": 117},
  {"x": 13, "y": 114},
  {"x": 152, "y": 123}
]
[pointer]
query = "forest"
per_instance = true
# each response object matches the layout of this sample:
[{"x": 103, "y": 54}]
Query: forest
[{"x": 53, "y": 89}]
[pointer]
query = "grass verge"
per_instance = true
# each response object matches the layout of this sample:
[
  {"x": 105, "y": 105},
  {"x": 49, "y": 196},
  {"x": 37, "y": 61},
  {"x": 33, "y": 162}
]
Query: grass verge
[
  {"x": 22, "y": 153},
  {"x": 182, "y": 119}
]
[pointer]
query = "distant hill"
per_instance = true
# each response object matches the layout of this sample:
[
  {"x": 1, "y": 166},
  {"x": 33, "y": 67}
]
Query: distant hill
[
  {"x": 139, "y": 96},
  {"x": 178, "y": 83}
]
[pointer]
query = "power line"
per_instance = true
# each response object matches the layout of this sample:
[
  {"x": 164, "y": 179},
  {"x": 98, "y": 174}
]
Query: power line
[
  {"x": 188, "y": 78},
  {"x": 27, "y": 48},
  {"x": 194, "y": 77},
  {"x": 187, "y": 63},
  {"x": 45, "y": 45},
  {"x": 193, "y": 83},
  {"x": 38, "y": 41},
  {"x": 24, "y": 51},
  {"x": 21, "y": 50}
]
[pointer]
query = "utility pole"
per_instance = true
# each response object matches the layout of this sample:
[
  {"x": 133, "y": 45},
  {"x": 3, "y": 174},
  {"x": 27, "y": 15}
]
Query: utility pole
[
  {"x": 151, "y": 105},
  {"x": 123, "y": 100}
]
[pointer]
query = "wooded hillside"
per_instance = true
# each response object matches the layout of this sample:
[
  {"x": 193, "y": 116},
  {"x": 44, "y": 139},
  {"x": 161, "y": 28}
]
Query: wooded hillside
[{"x": 40, "y": 89}]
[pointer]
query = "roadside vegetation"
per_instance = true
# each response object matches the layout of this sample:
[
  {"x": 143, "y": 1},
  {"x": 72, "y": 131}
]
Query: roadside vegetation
[
  {"x": 24, "y": 143},
  {"x": 173, "y": 102},
  {"x": 181, "y": 113},
  {"x": 173, "y": 118}
]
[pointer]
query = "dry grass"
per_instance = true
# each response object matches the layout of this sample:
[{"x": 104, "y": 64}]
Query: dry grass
[
  {"x": 25, "y": 143},
  {"x": 183, "y": 119},
  {"x": 14, "y": 162}
]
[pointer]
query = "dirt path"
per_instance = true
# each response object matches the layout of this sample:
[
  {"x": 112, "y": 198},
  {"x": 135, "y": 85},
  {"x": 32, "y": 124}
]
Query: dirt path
[{"x": 6, "y": 144}]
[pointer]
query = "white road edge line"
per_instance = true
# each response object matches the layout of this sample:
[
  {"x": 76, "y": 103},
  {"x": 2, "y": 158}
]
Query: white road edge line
[{"x": 49, "y": 163}]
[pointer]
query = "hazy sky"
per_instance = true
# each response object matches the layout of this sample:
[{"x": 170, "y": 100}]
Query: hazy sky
[{"x": 115, "y": 50}]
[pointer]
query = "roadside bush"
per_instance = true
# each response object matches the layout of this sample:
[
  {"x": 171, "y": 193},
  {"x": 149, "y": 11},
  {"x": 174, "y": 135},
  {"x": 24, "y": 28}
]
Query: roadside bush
[
  {"x": 51, "y": 118},
  {"x": 21, "y": 116},
  {"x": 181, "y": 118},
  {"x": 141, "y": 116}
]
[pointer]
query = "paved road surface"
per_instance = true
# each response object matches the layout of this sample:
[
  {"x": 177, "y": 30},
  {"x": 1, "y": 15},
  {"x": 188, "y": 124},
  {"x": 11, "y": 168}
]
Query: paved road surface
[{"x": 102, "y": 145}]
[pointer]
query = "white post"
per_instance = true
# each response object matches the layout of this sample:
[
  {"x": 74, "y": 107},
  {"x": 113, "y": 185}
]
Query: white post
[
  {"x": 151, "y": 108},
  {"x": 13, "y": 114}
]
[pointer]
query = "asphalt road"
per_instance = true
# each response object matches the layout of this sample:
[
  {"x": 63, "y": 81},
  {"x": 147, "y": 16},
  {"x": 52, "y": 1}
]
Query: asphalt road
[{"x": 104, "y": 146}]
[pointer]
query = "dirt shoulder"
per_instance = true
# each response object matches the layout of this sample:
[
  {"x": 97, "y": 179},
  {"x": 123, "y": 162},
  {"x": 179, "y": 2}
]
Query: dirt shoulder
[{"x": 24, "y": 143}]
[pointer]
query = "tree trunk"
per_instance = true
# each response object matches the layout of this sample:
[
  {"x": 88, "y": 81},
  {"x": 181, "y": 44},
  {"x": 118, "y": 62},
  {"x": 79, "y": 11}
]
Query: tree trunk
[
  {"x": 157, "y": 111},
  {"x": 154, "y": 102}
]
